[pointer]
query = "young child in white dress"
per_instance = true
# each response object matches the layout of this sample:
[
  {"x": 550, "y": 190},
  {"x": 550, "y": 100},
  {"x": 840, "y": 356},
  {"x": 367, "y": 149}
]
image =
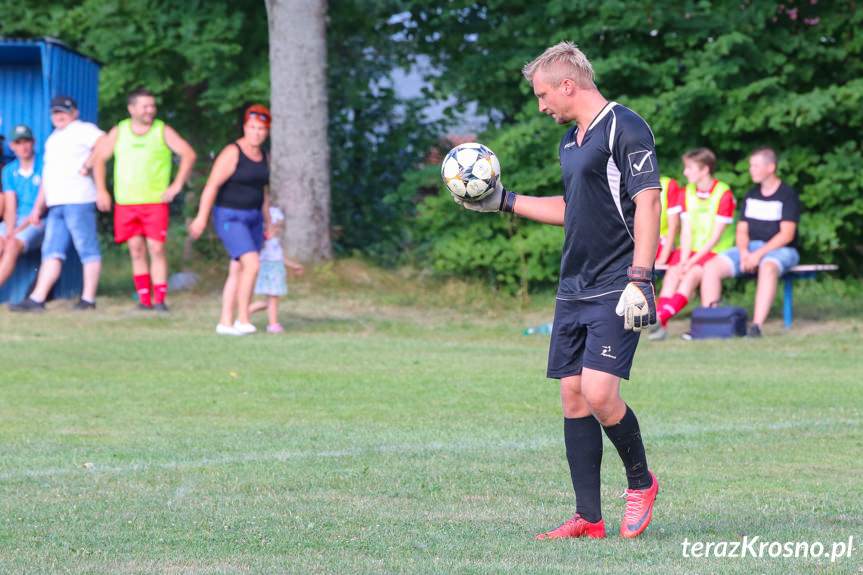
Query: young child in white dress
[{"x": 272, "y": 281}]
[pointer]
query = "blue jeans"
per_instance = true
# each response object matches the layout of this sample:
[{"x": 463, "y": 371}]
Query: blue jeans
[
  {"x": 30, "y": 237},
  {"x": 785, "y": 258},
  {"x": 242, "y": 231},
  {"x": 75, "y": 223}
]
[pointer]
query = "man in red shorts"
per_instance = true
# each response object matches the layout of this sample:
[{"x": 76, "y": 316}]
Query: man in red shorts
[
  {"x": 705, "y": 230},
  {"x": 142, "y": 148}
]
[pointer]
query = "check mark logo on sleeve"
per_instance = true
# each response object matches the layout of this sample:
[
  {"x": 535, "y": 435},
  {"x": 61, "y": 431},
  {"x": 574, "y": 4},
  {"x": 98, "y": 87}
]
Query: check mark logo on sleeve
[{"x": 640, "y": 164}]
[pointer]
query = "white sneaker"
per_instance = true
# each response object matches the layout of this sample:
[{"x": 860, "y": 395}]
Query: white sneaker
[
  {"x": 227, "y": 330},
  {"x": 657, "y": 332},
  {"x": 244, "y": 328}
]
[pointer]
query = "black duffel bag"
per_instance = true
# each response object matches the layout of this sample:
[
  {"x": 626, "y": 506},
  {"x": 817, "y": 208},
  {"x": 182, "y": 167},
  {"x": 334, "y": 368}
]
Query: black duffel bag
[{"x": 718, "y": 321}]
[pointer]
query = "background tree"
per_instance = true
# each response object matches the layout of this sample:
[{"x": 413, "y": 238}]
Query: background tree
[
  {"x": 300, "y": 162},
  {"x": 203, "y": 59}
]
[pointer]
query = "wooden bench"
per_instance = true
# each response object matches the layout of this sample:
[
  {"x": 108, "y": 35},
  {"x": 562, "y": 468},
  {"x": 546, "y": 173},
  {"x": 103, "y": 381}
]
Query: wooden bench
[{"x": 801, "y": 272}]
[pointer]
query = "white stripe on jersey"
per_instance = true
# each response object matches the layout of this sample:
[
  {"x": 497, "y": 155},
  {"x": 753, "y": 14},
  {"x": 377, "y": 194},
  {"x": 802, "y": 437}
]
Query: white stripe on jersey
[
  {"x": 608, "y": 107},
  {"x": 612, "y": 174}
]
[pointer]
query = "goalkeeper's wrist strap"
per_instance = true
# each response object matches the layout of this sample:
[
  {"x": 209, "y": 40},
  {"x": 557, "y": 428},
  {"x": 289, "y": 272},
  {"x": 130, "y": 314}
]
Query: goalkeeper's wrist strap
[
  {"x": 507, "y": 202},
  {"x": 638, "y": 273}
]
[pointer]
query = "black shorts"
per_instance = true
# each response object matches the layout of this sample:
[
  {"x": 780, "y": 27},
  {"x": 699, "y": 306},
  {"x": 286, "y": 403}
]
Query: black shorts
[{"x": 588, "y": 333}]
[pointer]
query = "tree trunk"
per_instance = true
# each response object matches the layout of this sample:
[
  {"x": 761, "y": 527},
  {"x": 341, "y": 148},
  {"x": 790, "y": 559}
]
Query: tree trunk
[{"x": 300, "y": 159}]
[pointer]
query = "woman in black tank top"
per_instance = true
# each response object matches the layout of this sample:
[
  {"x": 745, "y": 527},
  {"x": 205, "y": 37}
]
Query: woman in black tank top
[
  {"x": 244, "y": 190},
  {"x": 237, "y": 193}
]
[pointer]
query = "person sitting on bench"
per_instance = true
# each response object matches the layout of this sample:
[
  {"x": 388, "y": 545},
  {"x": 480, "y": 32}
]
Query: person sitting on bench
[
  {"x": 706, "y": 229},
  {"x": 766, "y": 239},
  {"x": 21, "y": 181}
]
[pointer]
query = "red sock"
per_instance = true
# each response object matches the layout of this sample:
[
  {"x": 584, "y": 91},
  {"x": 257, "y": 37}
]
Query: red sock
[
  {"x": 662, "y": 310},
  {"x": 159, "y": 291},
  {"x": 670, "y": 307},
  {"x": 142, "y": 285},
  {"x": 679, "y": 302}
]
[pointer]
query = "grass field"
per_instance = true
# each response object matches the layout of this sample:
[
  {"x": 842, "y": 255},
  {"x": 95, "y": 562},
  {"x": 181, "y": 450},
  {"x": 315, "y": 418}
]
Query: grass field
[{"x": 404, "y": 430}]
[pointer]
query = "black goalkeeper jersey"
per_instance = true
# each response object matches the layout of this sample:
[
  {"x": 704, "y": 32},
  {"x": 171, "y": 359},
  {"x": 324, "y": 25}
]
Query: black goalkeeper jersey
[{"x": 615, "y": 162}]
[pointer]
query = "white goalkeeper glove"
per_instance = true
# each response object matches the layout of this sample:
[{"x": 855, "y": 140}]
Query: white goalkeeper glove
[
  {"x": 500, "y": 200},
  {"x": 637, "y": 303}
]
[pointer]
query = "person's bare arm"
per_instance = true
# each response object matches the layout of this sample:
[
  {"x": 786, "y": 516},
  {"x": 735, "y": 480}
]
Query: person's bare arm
[
  {"x": 187, "y": 161},
  {"x": 102, "y": 152},
  {"x": 670, "y": 238},
  {"x": 715, "y": 236},
  {"x": 787, "y": 230},
  {"x": 9, "y": 215},
  {"x": 103, "y": 199},
  {"x": 685, "y": 238},
  {"x": 223, "y": 168},
  {"x": 294, "y": 265},
  {"x": 637, "y": 303},
  {"x": 265, "y": 208},
  {"x": 546, "y": 210},
  {"x": 648, "y": 212},
  {"x": 35, "y": 217}
]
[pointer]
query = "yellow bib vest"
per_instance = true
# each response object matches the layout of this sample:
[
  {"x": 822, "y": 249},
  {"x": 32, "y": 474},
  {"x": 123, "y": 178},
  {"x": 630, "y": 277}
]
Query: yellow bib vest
[
  {"x": 663, "y": 197},
  {"x": 702, "y": 214},
  {"x": 142, "y": 165}
]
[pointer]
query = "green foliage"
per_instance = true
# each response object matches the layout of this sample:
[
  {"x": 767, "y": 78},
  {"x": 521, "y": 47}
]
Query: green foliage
[
  {"x": 375, "y": 136},
  {"x": 203, "y": 59},
  {"x": 206, "y": 60},
  {"x": 731, "y": 76}
]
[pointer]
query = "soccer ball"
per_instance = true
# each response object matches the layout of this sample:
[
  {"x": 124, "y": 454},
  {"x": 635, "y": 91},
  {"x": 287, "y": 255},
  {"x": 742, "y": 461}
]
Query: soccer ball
[{"x": 470, "y": 171}]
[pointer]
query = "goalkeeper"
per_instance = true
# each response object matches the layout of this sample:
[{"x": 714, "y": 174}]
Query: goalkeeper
[{"x": 610, "y": 212}]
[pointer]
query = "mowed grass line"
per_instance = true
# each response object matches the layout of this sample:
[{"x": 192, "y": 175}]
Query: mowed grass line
[{"x": 380, "y": 439}]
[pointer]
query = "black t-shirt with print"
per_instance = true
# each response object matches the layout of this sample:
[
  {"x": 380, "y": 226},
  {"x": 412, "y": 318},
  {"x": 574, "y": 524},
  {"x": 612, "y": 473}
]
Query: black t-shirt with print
[{"x": 764, "y": 213}]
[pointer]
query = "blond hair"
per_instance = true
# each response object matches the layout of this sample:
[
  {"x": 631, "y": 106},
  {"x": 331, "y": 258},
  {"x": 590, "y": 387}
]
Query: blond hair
[{"x": 561, "y": 61}]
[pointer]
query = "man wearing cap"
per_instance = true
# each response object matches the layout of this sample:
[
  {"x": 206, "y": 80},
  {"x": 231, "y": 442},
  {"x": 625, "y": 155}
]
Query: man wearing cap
[
  {"x": 21, "y": 181},
  {"x": 67, "y": 190},
  {"x": 142, "y": 146}
]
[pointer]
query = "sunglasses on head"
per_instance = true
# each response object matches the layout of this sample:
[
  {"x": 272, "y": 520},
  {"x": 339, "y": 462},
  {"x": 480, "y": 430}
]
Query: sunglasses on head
[{"x": 260, "y": 116}]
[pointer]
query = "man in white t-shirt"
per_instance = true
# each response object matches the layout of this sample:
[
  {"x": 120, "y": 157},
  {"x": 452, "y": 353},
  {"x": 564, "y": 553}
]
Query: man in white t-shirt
[{"x": 70, "y": 195}]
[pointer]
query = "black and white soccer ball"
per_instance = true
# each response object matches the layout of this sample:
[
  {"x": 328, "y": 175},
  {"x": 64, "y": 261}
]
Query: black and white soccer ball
[{"x": 470, "y": 171}]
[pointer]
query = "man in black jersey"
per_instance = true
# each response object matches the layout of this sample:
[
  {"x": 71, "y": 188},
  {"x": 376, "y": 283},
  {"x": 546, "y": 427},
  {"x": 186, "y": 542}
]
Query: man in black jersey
[
  {"x": 610, "y": 212},
  {"x": 765, "y": 240}
]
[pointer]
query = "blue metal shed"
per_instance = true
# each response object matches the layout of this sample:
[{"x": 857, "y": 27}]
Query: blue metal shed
[{"x": 32, "y": 71}]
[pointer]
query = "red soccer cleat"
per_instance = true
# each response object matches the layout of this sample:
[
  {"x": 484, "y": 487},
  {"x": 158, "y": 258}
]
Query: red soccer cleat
[
  {"x": 639, "y": 509},
  {"x": 576, "y": 527}
]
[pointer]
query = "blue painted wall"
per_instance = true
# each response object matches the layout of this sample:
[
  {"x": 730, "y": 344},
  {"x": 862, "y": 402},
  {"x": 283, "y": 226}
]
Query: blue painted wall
[
  {"x": 34, "y": 71},
  {"x": 31, "y": 73}
]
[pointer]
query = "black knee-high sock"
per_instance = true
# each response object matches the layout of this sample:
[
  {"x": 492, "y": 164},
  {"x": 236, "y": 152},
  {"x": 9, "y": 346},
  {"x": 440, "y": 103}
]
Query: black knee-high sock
[
  {"x": 626, "y": 437},
  {"x": 584, "y": 453}
]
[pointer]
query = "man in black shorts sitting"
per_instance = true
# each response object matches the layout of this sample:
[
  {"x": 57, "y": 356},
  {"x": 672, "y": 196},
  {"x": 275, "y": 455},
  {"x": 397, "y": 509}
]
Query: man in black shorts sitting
[{"x": 610, "y": 212}]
